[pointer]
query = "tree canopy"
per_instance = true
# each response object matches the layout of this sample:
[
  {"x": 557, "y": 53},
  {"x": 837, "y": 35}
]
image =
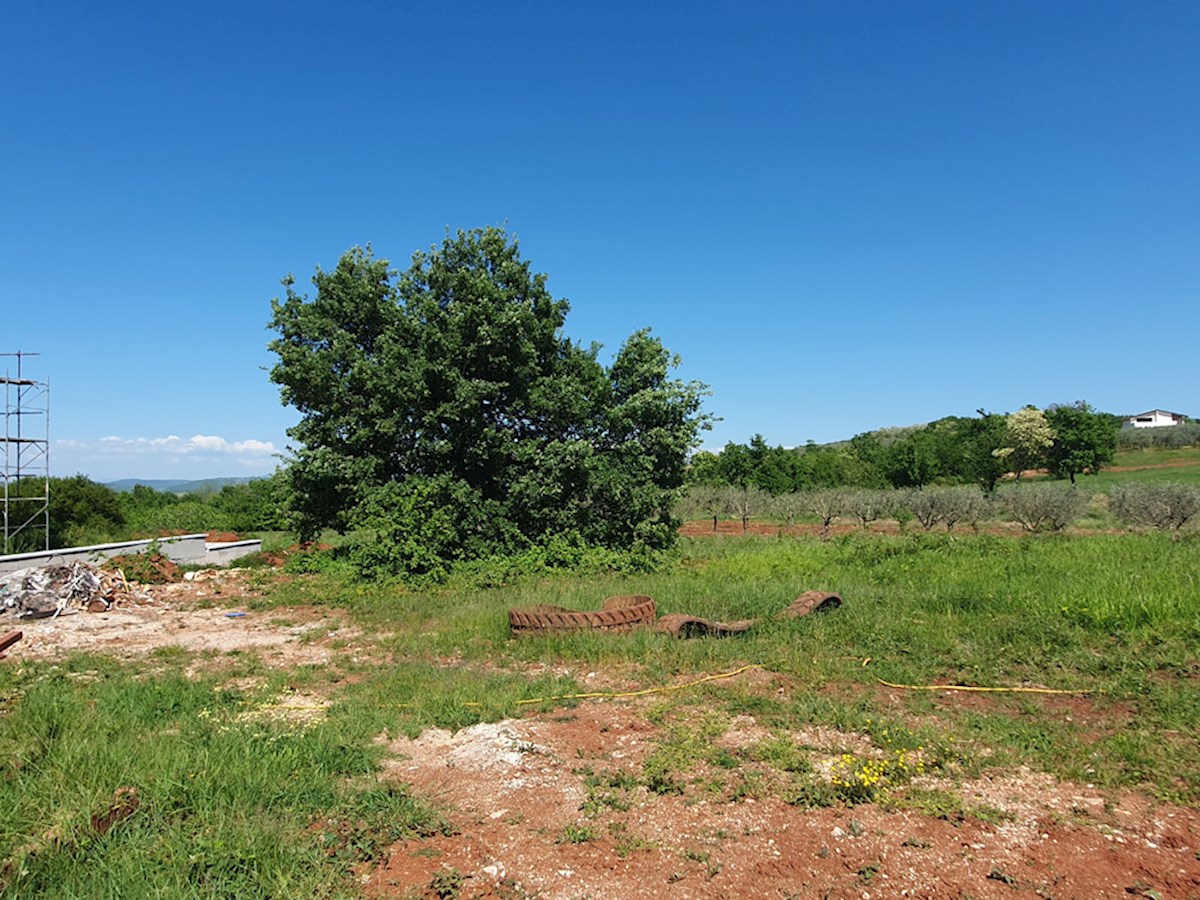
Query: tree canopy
[
  {"x": 447, "y": 393},
  {"x": 1084, "y": 440}
]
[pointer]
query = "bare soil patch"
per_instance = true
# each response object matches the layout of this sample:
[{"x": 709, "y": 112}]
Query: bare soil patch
[
  {"x": 203, "y": 615},
  {"x": 518, "y": 793}
]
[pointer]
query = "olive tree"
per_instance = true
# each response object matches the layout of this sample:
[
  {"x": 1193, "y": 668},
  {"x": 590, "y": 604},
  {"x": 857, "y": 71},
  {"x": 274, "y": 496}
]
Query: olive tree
[
  {"x": 868, "y": 505},
  {"x": 747, "y": 502},
  {"x": 1164, "y": 506},
  {"x": 963, "y": 503},
  {"x": 826, "y": 504},
  {"x": 788, "y": 507},
  {"x": 1038, "y": 507},
  {"x": 923, "y": 506}
]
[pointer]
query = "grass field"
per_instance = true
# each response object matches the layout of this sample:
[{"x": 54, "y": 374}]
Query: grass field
[
  {"x": 1149, "y": 466},
  {"x": 171, "y": 773}
]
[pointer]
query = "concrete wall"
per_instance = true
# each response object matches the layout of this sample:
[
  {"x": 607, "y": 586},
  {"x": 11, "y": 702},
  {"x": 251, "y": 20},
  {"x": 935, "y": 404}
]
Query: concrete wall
[
  {"x": 186, "y": 549},
  {"x": 223, "y": 554}
]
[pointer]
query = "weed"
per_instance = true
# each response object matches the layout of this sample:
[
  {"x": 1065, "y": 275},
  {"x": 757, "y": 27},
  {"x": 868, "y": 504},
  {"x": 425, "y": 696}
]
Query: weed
[
  {"x": 781, "y": 753},
  {"x": 446, "y": 884},
  {"x": 630, "y": 844},
  {"x": 606, "y": 790},
  {"x": 577, "y": 834}
]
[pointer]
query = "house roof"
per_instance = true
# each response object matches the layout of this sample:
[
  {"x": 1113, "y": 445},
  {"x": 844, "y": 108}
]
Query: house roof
[{"x": 1151, "y": 412}]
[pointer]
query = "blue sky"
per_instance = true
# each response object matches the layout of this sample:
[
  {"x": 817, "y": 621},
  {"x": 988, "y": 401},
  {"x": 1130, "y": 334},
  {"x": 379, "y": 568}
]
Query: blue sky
[{"x": 843, "y": 215}]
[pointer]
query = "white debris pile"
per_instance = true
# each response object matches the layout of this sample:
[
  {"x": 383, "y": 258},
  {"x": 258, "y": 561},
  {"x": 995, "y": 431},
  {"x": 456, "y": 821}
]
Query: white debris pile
[{"x": 65, "y": 589}]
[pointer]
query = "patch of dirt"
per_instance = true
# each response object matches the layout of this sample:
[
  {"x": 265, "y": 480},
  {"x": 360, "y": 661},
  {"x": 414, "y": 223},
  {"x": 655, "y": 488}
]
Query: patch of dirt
[
  {"x": 515, "y": 789},
  {"x": 203, "y": 615}
]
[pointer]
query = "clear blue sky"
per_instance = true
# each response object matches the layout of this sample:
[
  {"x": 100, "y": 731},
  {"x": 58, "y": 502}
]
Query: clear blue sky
[{"x": 843, "y": 215}]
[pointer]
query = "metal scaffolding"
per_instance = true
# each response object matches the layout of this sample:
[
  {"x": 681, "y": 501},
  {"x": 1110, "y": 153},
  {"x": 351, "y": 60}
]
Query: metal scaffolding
[{"x": 26, "y": 472}]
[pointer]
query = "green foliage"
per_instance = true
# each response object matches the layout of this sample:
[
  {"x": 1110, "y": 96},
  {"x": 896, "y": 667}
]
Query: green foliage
[
  {"x": 82, "y": 512},
  {"x": 577, "y": 834},
  {"x": 457, "y": 369},
  {"x": 420, "y": 527},
  {"x": 263, "y": 504},
  {"x": 979, "y": 440},
  {"x": 780, "y": 470},
  {"x": 1084, "y": 440},
  {"x": 1171, "y": 437}
]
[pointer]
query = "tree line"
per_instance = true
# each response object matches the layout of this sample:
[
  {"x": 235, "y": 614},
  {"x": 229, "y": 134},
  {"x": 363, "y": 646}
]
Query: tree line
[
  {"x": 1066, "y": 439},
  {"x": 84, "y": 512}
]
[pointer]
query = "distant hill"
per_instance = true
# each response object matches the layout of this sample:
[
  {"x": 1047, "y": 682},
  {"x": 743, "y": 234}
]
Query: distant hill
[{"x": 177, "y": 486}]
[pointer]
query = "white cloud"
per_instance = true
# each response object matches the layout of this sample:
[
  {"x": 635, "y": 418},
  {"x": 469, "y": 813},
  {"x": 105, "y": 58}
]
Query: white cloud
[{"x": 200, "y": 456}]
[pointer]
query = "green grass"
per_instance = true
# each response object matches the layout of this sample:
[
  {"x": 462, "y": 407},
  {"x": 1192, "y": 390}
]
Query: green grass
[
  {"x": 1149, "y": 467},
  {"x": 1189, "y": 455},
  {"x": 238, "y": 805},
  {"x": 225, "y": 805}
]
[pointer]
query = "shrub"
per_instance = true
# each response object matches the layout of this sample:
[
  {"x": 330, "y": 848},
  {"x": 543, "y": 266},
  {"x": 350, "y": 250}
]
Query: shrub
[
  {"x": 419, "y": 527},
  {"x": 1163, "y": 506},
  {"x": 1038, "y": 507}
]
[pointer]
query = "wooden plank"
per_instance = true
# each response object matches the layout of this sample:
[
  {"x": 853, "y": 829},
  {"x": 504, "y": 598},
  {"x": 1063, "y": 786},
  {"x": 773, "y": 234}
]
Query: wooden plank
[{"x": 8, "y": 640}]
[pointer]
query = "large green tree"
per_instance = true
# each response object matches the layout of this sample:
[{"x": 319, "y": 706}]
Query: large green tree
[
  {"x": 1084, "y": 440},
  {"x": 451, "y": 386},
  {"x": 979, "y": 440}
]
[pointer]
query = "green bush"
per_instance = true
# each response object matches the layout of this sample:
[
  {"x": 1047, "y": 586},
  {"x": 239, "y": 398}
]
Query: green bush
[
  {"x": 419, "y": 527},
  {"x": 82, "y": 512}
]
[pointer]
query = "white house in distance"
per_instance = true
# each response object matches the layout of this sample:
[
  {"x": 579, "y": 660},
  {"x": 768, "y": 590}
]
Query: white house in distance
[{"x": 1156, "y": 418}]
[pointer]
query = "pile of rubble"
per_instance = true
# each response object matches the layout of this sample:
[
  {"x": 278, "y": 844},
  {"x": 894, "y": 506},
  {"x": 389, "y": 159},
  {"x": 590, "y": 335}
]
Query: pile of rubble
[{"x": 65, "y": 589}]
